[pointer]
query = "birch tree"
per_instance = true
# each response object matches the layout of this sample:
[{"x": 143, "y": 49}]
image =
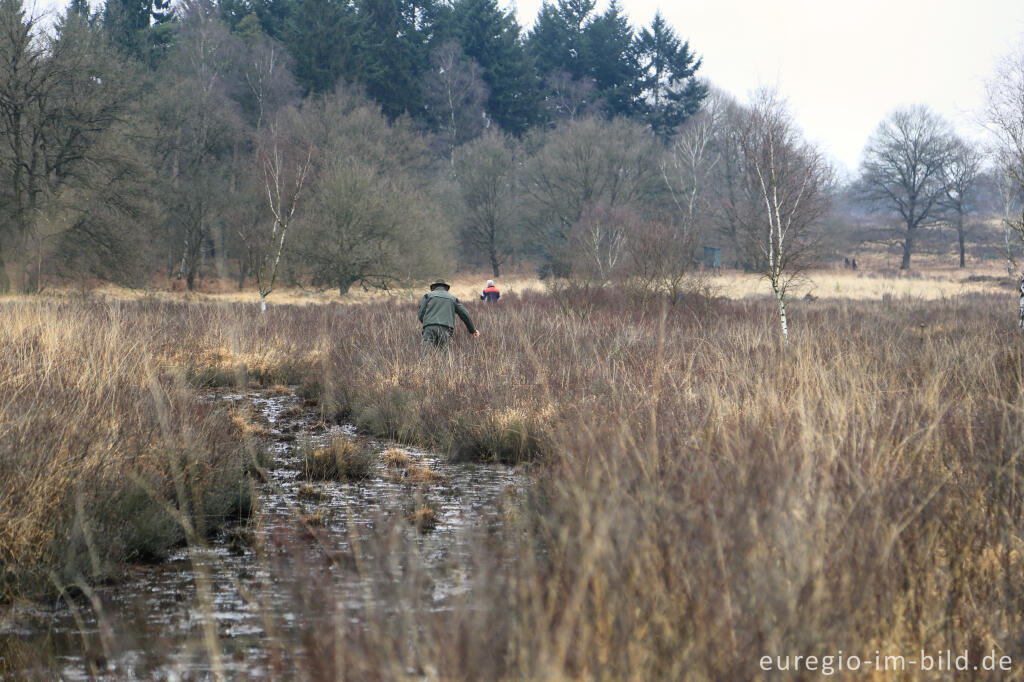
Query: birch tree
[
  {"x": 454, "y": 94},
  {"x": 1010, "y": 201},
  {"x": 286, "y": 164},
  {"x": 793, "y": 181}
]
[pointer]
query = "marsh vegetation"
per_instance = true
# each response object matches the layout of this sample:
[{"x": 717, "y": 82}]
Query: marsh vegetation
[{"x": 694, "y": 490}]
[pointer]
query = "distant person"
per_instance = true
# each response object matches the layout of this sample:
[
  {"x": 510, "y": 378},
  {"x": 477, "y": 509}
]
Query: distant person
[
  {"x": 491, "y": 293},
  {"x": 846, "y": 262},
  {"x": 853, "y": 264},
  {"x": 437, "y": 315}
]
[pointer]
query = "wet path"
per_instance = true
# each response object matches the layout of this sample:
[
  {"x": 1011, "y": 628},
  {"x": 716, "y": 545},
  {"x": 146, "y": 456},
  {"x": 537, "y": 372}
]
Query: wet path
[{"x": 313, "y": 554}]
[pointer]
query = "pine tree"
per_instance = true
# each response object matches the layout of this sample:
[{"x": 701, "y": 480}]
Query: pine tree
[
  {"x": 393, "y": 37},
  {"x": 556, "y": 42},
  {"x": 139, "y": 28},
  {"x": 275, "y": 16},
  {"x": 609, "y": 58},
  {"x": 492, "y": 38},
  {"x": 79, "y": 8},
  {"x": 670, "y": 91},
  {"x": 319, "y": 36},
  {"x": 568, "y": 37}
]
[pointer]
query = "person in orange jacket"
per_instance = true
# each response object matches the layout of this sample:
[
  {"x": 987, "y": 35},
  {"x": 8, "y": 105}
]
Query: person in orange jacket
[{"x": 491, "y": 293}]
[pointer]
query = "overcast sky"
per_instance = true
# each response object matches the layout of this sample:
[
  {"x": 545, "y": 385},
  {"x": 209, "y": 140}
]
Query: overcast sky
[{"x": 843, "y": 66}]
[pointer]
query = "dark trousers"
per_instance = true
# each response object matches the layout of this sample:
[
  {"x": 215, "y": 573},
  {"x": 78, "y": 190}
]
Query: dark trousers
[{"x": 436, "y": 335}]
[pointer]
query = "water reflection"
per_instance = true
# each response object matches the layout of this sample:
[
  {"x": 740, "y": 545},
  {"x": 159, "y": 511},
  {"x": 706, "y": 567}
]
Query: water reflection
[{"x": 313, "y": 554}]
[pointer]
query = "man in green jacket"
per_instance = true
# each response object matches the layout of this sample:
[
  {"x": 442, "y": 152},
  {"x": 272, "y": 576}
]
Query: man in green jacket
[{"x": 437, "y": 314}]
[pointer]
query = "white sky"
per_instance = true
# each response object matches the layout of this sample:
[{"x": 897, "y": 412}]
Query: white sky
[{"x": 843, "y": 65}]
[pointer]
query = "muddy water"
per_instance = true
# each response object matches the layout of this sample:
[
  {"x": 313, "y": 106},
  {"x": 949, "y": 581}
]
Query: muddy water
[{"x": 316, "y": 555}]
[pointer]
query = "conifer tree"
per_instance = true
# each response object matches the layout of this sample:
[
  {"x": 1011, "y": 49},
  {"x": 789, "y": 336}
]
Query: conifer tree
[
  {"x": 670, "y": 92},
  {"x": 392, "y": 39},
  {"x": 610, "y": 60},
  {"x": 139, "y": 28},
  {"x": 570, "y": 38},
  {"x": 492, "y": 38},
  {"x": 320, "y": 38}
]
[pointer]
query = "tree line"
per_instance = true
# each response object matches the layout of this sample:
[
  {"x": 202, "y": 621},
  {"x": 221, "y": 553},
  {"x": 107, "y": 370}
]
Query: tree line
[
  {"x": 137, "y": 135},
  {"x": 247, "y": 141}
]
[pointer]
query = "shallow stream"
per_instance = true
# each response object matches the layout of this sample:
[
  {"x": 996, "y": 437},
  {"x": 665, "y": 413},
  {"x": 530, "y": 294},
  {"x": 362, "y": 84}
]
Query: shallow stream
[{"x": 313, "y": 553}]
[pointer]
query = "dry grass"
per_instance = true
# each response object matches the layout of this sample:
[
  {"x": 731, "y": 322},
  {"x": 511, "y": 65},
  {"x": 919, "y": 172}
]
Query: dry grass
[
  {"x": 701, "y": 496},
  {"x": 417, "y": 475},
  {"x": 878, "y": 276},
  {"x": 706, "y": 496},
  {"x": 104, "y": 457},
  {"x": 395, "y": 459},
  {"x": 342, "y": 460},
  {"x": 424, "y": 518}
]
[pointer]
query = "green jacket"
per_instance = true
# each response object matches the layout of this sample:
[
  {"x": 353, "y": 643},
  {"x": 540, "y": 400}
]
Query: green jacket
[{"x": 440, "y": 307}]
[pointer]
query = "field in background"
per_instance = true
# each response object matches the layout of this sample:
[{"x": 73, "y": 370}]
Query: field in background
[{"x": 876, "y": 277}]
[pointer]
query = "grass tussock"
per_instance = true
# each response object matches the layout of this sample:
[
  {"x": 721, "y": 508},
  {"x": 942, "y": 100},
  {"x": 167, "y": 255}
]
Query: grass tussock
[
  {"x": 419, "y": 475},
  {"x": 343, "y": 460},
  {"x": 424, "y": 518},
  {"x": 395, "y": 459}
]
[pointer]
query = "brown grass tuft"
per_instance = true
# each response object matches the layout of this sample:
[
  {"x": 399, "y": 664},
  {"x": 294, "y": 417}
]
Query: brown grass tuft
[
  {"x": 419, "y": 475},
  {"x": 423, "y": 518},
  {"x": 395, "y": 459},
  {"x": 343, "y": 459}
]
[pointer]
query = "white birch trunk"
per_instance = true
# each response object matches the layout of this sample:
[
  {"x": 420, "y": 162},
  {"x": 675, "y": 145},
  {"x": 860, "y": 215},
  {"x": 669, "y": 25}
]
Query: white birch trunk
[
  {"x": 1009, "y": 255},
  {"x": 1020, "y": 291},
  {"x": 781, "y": 299}
]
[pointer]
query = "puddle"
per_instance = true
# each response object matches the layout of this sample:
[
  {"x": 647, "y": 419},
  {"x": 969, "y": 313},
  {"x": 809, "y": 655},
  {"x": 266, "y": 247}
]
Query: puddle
[{"x": 312, "y": 551}]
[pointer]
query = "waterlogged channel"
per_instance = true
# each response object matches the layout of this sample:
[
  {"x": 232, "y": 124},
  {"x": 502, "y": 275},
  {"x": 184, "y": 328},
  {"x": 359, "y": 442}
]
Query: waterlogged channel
[{"x": 319, "y": 559}]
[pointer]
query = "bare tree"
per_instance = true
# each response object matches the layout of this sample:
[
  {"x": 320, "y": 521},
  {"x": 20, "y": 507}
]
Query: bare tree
[
  {"x": 485, "y": 174},
  {"x": 584, "y": 163},
  {"x": 902, "y": 170},
  {"x": 1011, "y": 201},
  {"x": 793, "y": 180},
  {"x": 687, "y": 168},
  {"x": 568, "y": 97},
  {"x": 1004, "y": 116},
  {"x": 199, "y": 134},
  {"x": 372, "y": 218},
  {"x": 599, "y": 241},
  {"x": 286, "y": 163},
  {"x": 455, "y": 94},
  {"x": 264, "y": 69},
  {"x": 659, "y": 259},
  {"x": 733, "y": 204},
  {"x": 960, "y": 178},
  {"x": 59, "y": 94}
]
